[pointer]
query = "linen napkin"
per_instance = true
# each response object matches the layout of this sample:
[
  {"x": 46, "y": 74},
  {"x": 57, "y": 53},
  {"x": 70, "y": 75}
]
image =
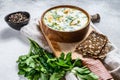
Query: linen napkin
[{"x": 112, "y": 60}]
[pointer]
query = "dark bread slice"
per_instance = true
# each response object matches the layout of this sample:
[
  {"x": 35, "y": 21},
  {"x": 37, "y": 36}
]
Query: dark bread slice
[
  {"x": 104, "y": 51},
  {"x": 94, "y": 45}
]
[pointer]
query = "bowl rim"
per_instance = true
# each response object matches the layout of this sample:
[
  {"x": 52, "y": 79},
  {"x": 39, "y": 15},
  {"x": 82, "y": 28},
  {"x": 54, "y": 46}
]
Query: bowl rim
[
  {"x": 6, "y": 17},
  {"x": 68, "y": 6}
]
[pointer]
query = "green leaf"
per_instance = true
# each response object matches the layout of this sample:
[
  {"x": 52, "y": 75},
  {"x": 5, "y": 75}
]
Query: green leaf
[
  {"x": 27, "y": 69},
  {"x": 82, "y": 70},
  {"x": 22, "y": 58},
  {"x": 21, "y": 65},
  {"x": 68, "y": 58},
  {"x": 84, "y": 73},
  {"x": 44, "y": 76},
  {"x": 21, "y": 72},
  {"x": 51, "y": 62},
  {"x": 62, "y": 63},
  {"x": 93, "y": 76},
  {"x": 36, "y": 77},
  {"x": 88, "y": 77},
  {"x": 43, "y": 70},
  {"x": 35, "y": 56},
  {"x": 57, "y": 76},
  {"x": 77, "y": 62},
  {"x": 31, "y": 73},
  {"x": 32, "y": 64},
  {"x": 62, "y": 56},
  {"x": 29, "y": 60}
]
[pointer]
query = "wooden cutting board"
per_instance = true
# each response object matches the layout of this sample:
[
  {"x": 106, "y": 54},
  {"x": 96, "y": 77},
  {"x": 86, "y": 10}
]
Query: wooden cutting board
[{"x": 59, "y": 47}]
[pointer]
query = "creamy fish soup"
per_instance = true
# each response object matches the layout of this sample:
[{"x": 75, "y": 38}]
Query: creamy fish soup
[{"x": 65, "y": 19}]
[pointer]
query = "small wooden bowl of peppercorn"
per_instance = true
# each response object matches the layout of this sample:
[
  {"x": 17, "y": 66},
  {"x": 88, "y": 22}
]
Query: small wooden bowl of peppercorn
[{"x": 17, "y": 20}]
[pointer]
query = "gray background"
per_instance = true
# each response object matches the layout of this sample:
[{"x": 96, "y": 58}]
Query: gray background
[{"x": 13, "y": 44}]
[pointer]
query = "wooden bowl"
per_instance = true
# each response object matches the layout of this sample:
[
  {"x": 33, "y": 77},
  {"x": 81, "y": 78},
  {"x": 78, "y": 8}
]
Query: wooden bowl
[{"x": 64, "y": 36}]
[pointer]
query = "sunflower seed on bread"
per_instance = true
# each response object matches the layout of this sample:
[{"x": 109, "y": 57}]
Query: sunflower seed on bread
[
  {"x": 104, "y": 51},
  {"x": 94, "y": 46}
]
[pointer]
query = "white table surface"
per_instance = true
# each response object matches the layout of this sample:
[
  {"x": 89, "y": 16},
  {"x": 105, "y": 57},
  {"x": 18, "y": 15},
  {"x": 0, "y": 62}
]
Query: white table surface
[{"x": 13, "y": 44}]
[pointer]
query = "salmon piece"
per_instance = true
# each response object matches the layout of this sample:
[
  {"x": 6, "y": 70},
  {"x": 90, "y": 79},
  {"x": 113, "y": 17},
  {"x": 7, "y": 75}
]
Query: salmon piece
[{"x": 97, "y": 68}]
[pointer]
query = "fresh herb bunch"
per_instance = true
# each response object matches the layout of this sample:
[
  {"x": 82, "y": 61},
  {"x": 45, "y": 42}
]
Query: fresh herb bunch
[{"x": 40, "y": 64}]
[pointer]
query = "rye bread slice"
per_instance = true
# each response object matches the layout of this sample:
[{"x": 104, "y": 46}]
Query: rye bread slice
[{"x": 94, "y": 46}]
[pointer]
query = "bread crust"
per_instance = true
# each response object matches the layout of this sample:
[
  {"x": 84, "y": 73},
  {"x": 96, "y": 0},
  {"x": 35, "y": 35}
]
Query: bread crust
[{"x": 95, "y": 46}]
